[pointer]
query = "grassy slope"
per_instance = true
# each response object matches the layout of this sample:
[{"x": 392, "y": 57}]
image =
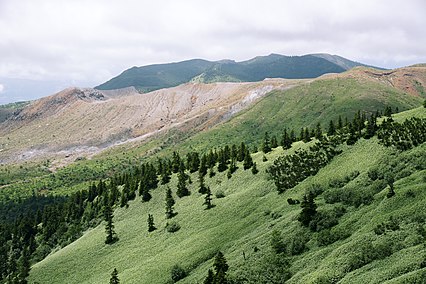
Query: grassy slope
[
  {"x": 304, "y": 106},
  {"x": 237, "y": 224}
]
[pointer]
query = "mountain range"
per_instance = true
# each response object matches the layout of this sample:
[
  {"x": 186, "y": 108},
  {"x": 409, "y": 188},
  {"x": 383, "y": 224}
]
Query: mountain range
[{"x": 158, "y": 76}]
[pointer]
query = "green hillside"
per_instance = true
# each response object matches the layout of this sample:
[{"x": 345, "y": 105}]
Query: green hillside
[
  {"x": 377, "y": 239},
  {"x": 304, "y": 106},
  {"x": 251, "y": 212},
  {"x": 153, "y": 77},
  {"x": 158, "y": 76}
]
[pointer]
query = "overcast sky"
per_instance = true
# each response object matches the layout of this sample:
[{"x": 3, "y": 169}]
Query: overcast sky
[{"x": 86, "y": 42}]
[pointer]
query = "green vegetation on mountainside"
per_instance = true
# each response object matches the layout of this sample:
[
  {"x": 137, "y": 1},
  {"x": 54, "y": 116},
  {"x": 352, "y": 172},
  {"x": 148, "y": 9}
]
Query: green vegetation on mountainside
[
  {"x": 7, "y": 110},
  {"x": 373, "y": 238},
  {"x": 303, "y": 106},
  {"x": 153, "y": 77}
]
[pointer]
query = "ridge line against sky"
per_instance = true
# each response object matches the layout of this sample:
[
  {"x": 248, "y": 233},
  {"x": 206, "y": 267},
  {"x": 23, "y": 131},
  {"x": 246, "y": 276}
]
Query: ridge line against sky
[{"x": 87, "y": 42}]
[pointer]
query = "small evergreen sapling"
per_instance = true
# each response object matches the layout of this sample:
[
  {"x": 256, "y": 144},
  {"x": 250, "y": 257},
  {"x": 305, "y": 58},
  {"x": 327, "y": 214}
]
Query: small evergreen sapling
[
  {"x": 208, "y": 199},
  {"x": 151, "y": 226},
  {"x": 170, "y": 202},
  {"x": 254, "y": 169},
  {"x": 114, "y": 277}
]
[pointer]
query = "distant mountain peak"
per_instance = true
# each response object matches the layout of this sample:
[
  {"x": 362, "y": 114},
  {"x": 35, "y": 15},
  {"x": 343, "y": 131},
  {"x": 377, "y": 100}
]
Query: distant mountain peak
[{"x": 158, "y": 76}]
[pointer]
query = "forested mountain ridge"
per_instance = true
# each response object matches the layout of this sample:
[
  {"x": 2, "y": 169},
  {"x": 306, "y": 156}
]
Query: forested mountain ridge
[{"x": 153, "y": 77}]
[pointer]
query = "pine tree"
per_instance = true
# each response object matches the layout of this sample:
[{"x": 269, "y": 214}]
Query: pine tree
[
  {"x": 144, "y": 191},
  {"x": 182, "y": 190},
  {"x": 208, "y": 199},
  {"x": 210, "y": 277},
  {"x": 254, "y": 169},
  {"x": 308, "y": 135},
  {"x": 318, "y": 131},
  {"x": 109, "y": 226},
  {"x": 248, "y": 161},
  {"x": 266, "y": 146},
  {"x": 202, "y": 187},
  {"x": 222, "y": 166},
  {"x": 390, "y": 180},
  {"x": 170, "y": 202},
  {"x": 286, "y": 140},
  {"x": 176, "y": 162},
  {"x": 114, "y": 277},
  {"x": 166, "y": 175},
  {"x": 274, "y": 142},
  {"x": 292, "y": 136},
  {"x": 371, "y": 127},
  {"x": 340, "y": 123},
  {"x": 331, "y": 129},
  {"x": 309, "y": 209},
  {"x": 424, "y": 103},
  {"x": 220, "y": 267},
  {"x": 203, "y": 166},
  {"x": 388, "y": 111},
  {"x": 123, "y": 198},
  {"x": 151, "y": 226},
  {"x": 24, "y": 266},
  {"x": 211, "y": 172},
  {"x": 241, "y": 152}
]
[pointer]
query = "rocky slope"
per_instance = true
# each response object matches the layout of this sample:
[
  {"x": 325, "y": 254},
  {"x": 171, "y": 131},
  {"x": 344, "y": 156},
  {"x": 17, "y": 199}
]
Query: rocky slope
[{"x": 82, "y": 121}]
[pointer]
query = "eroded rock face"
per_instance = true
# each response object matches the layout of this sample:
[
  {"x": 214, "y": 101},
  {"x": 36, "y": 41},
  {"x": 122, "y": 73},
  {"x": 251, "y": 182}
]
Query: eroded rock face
[{"x": 77, "y": 119}]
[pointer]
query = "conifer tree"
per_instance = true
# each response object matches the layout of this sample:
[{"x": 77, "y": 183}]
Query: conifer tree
[
  {"x": 254, "y": 169},
  {"x": 220, "y": 267},
  {"x": 318, "y": 131},
  {"x": 176, "y": 162},
  {"x": 331, "y": 129},
  {"x": 203, "y": 166},
  {"x": 182, "y": 190},
  {"x": 166, "y": 175},
  {"x": 266, "y": 145},
  {"x": 388, "y": 111},
  {"x": 274, "y": 142},
  {"x": 144, "y": 192},
  {"x": 424, "y": 103},
  {"x": 210, "y": 277},
  {"x": 248, "y": 161},
  {"x": 109, "y": 226},
  {"x": 151, "y": 226},
  {"x": 170, "y": 202},
  {"x": 340, "y": 123},
  {"x": 222, "y": 166},
  {"x": 286, "y": 140},
  {"x": 24, "y": 266},
  {"x": 123, "y": 198},
  {"x": 202, "y": 187},
  {"x": 241, "y": 152},
  {"x": 307, "y": 136},
  {"x": 309, "y": 209},
  {"x": 390, "y": 180},
  {"x": 211, "y": 172},
  {"x": 292, "y": 136},
  {"x": 208, "y": 199},
  {"x": 114, "y": 277}
]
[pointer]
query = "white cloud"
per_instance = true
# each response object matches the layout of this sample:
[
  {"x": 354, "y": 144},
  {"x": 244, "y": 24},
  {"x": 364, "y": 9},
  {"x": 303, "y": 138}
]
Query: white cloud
[
  {"x": 1, "y": 88},
  {"x": 94, "y": 40}
]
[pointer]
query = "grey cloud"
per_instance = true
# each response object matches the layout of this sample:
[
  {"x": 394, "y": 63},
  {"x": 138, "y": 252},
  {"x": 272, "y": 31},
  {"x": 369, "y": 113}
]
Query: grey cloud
[{"x": 93, "y": 40}]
